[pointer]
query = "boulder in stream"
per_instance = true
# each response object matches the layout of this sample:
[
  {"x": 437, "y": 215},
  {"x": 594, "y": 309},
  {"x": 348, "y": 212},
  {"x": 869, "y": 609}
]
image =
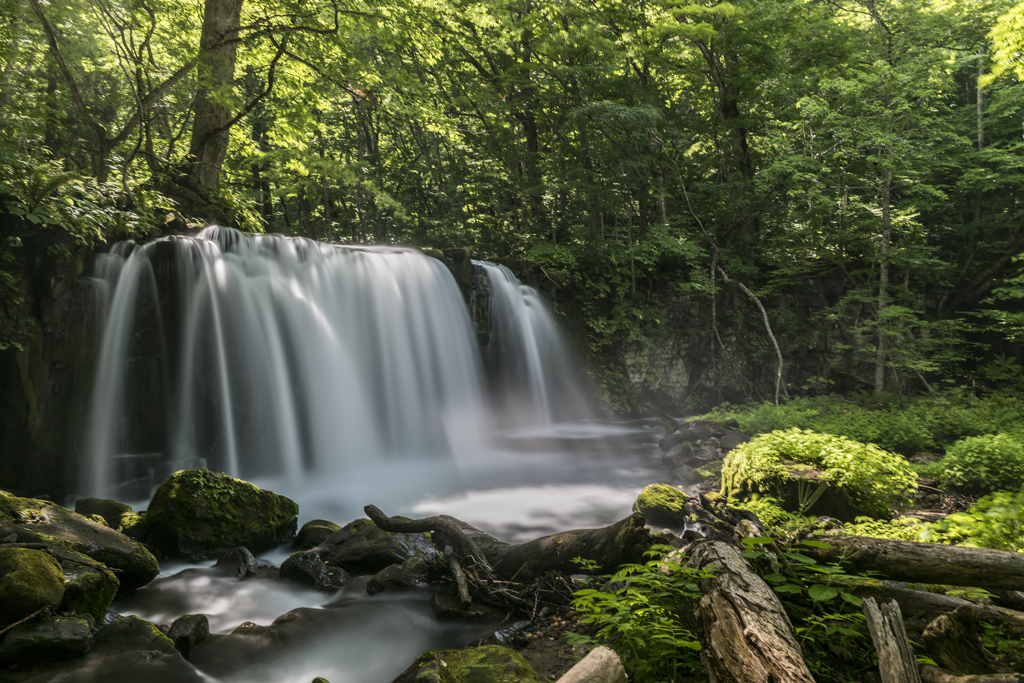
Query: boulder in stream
[
  {"x": 238, "y": 562},
  {"x": 30, "y": 580},
  {"x": 306, "y": 567},
  {"x": 45, "y": 640},
  {"x": 117, "y": 516},
  {"x": 360, "y": 547},
  {"x": 485, "y": 664},
  {"x": 410, "y": 574},
  {"x": 32, "y": 521},
  {"x": 188, "y": 631},
  {"x": 314, "y": 532},
  {"x": 662, "y": 505},
  {"x": 198, "y": 515}
]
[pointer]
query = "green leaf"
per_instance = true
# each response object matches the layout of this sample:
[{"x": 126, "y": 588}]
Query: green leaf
[
  {"x": 815, "y": 544},
  {"x": 788, "y": 588},
  {"x": 820, "y": 592},
  {"x": 851, "y": 598}
]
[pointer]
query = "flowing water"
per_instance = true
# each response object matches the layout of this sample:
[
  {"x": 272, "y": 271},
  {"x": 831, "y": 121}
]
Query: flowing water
[{"x": 342, "y": 377}]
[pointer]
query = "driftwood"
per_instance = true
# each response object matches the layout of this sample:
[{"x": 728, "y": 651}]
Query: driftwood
[
  {"x": 896, "y": 660},
  {"x": 931, "y": 674},
  {"x": 926, "y": 562},
  {"x": 745, "y": 635},
  {"x": 954, "y": 641},
  {"x": 460, "y": 577}
]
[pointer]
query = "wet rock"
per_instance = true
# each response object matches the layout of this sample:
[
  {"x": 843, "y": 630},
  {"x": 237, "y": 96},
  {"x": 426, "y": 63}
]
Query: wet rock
[
  {"x": 486, "y": 664},
  {"x": 117, "y": 516},
  {"x": 314, "y": 532},
  {"x": 47, "y": 639},
  {"x": 199, "y": 514},
  {"x": 410, "y": 574},
  {"x": 320, "y": 680},
  {"x": 449, "y": 607},
  {"x": 132, "y": 633},
  {"x": 662, "y": 505},
  {"x": 360, "y": 547},
  {"x": 237, "y": 562},
  {"x": 30, "y": 580},
  {"x": 307, "y": 568},
  {"x": 29, "y": 520},
  {"x": 188, "y": 631},
  {"x": 89, "y": 588}
]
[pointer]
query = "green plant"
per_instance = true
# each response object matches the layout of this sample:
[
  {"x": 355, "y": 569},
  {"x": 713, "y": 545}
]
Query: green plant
[
  {"x": 873, "y": 479},
  {"x": 985, "y": 463},
  {"x": 639, "y": 613},
  {"x": 995, "y": 521},
  {"x": 900, "y": 529}
]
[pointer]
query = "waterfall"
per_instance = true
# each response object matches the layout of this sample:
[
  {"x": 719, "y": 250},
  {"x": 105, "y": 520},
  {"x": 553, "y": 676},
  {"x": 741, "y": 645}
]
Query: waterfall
[
  {"x": 532, "y": 374},
  {"x": 269, "y": 356}
]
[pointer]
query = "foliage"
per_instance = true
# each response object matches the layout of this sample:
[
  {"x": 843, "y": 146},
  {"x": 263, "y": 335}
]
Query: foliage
[
  {"x": 995, "y": 521},
  {"x": 899, "y": 529},
  {"x": 875, "y": 480},
  {"x": 639, "y": 612},
  {"x": 984, "y": 463}
]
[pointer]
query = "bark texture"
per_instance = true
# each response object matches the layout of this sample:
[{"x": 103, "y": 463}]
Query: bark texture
[
  {"x": 896, "y": 660},
  {"x": 954, "y": 641}
]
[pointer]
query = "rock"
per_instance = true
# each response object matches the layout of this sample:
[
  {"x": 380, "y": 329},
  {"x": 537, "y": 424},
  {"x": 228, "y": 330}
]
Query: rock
[
  {"x": 449, "y": 607},
  {"x": 693, "y": 455},
  {"x": 30, "y": 580},
  {"x": 732, "y": 440},
  {"x": 307, "y": 568},
  {"x": 198, "y": 515},
  {"x": 320, "y": 680},
  {"x": 486, "y": 664},
  {"x": 117, "y": 516},
  {"x": 410, "y": 574},
  {"x": 662, "y": 506},
  {"x": 30, "y": 520},
  {"x": 88, "y": 589},
  {"x": 188, "y": 631},
  {"x": 132, "y": 633},
  {"x": 600, "y": 666},
  {"x": 48, "y": 639},
  {"x": 237, "y": 562},
  {"x": 360, "y": 547},
  {"x": 314, "y": 532}
]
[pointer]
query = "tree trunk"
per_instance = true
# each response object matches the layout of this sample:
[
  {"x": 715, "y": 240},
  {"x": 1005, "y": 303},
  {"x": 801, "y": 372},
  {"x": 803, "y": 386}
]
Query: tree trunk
[
  {"x": 954, "y": 641},
  {"x": 883, "y": 281},
  {"x": 896, "y": 660},
  {"x": 926, "y": 562},
  {"x": 744, "y": 632},
  {"x": 210, "y": 130}
]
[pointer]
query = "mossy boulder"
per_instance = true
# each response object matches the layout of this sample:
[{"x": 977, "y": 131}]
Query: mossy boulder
[
  {"x": 45, "y": 640},
  {"x": 486, "y": 664},
  {"x": 28, "y": 520},
  {"x": 198, "y": 515},
  {"x": 360, "y": 547},
  {"x": 117, "y": 516},
  {"x": 89, "y": 587},
  {"x": 662, "y": 505},
  {"x": 30, "y": 580},
  {"x": 819, "y": 474},
  {"x": 133, "y": 633},
  {"x": 315, "y": 532}
]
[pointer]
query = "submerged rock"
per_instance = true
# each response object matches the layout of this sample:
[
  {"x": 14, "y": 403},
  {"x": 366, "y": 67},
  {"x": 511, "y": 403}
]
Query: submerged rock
[
  {"x": 362, "y": 548},
  {"x": 314, "y": 532},
  {"x": 30, "y": 580},
  {"x": 47, "y": 640},
  {"x": 486, "y": 664},
  {"x": 188, "y": 631},
  {"x": 662, "y": 506},
  {"x": 307, "y": 568},
  {"x": 29, "y": 520},
  {"x": 237, "y": 562},
  {"x": 198, "y": 515}
]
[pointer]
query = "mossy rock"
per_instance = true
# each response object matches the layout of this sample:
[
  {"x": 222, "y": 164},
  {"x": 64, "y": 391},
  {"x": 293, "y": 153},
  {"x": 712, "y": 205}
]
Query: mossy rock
[
  {"x": 198, "y": 514},
  {"x": 662, "y": 505},
  {"x": 45, "y": 640},
  {"x": 133, "y": 633},
  {"x": 486, "y": 664},
  {"x": 30, "y": 580},
  {"x": 117, "y": 516},
  {"x": 40, "y": 521},
  {"x": 88, "y": 589},
  {"x": 360, "y": 547},
  {"x": 314, "y": 532}
]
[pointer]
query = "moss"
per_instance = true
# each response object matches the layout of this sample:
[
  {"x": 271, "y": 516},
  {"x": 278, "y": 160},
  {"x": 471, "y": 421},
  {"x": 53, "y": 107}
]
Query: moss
[
  {"x": 29, "y": 581},
  {"x": 198, "y": 514},
  {"x": 486, "y": 664},
  {"x": 88, "y": 589},
  {"x": 712, "y": 470},
  {"x": 45, "y": 640},
  {"x": 361, "y": 547},
  {"x": 117, "y": 516},
  {"x": 662, "y": 505}
]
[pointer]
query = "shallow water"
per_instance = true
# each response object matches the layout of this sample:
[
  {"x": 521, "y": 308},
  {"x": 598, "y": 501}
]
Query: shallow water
[{"x": 536, "y": 482}]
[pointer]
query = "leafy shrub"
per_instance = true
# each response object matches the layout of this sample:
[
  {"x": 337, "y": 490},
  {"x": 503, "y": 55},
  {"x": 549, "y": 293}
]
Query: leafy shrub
[
  {"x": 641, "y": 616},
  {"x": 985, "y": 463},
  {"x": 995, "y": 521},
  {"x": 873, "y": 479},
  {"x": 900, "y": 529}
]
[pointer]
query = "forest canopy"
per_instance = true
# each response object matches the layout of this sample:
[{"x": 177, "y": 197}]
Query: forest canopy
[{"x": 652, "y": 150}]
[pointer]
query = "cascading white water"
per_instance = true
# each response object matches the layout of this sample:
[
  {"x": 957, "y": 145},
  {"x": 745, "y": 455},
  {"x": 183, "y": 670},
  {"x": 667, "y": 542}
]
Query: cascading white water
[
  {"x": 527, "y": 358},
  {"x": 289, "y": 357}
]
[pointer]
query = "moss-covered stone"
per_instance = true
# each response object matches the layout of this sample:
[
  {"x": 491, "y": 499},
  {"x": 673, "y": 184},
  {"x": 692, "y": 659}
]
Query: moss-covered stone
[
  {"x": 133, "y": 633},
  {"x": 88, "y": 588},
  {"x": 199, "y": 514},
  {"x": 662, "y": 505},
  {"x": 30, "y": 520},
  {"x": 315, "y": 532},
  {"x": 362, "y": 548},
  {"x": 29, "y": 581},
  {"x": 117, "y": 516},
  {"x": 45, "y": 640},
  {"x": 487, "y": 664}
]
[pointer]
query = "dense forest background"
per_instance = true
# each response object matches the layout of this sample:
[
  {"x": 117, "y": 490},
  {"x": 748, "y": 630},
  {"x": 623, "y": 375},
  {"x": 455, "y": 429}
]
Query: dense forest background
[{"x": 761, "y": 177}]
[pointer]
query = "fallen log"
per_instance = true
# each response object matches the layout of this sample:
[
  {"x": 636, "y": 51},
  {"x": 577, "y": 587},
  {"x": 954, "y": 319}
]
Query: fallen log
[
  {"x": 932, "y": 674},
  {"x": 896, "y": 660},
  {"x": 919, "y": 604},
  {"x": 925, "y": 562},
  {"x": 744, "y": 632},
  {"x": 954, "y": 641}
]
